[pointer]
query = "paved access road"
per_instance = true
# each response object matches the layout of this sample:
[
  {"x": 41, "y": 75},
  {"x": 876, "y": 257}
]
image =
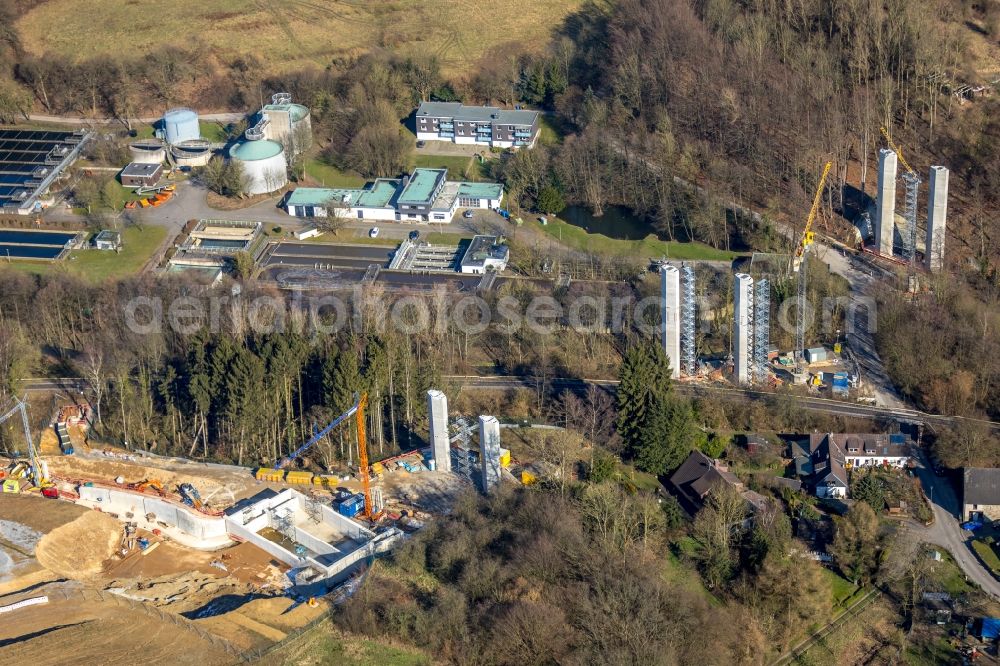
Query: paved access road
[{"x": 946, "y": 531}]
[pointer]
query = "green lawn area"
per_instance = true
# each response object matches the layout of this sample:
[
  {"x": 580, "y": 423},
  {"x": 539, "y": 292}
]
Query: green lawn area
[
  {"x": 100, "y": 265},
  {"x": 949, "y": 576},
  {"x": 330, "y": 176},
  {"x": 353, "y": 236},
  {"x": 213, "y": 131},
  {"x": 549, "y": 132},
  {"x": 841, "y": 589},
  {"x": 628, "y": 474},
  {"x": 324, "y": 644},
  {"x": 460, "y": 167},
  {"x": 210, "y": 130},
  {"x": 649, "y": 247},
  {"x": 438, "y": 238},
  {"x": 987, "y": 555},
  {"x": 682, "y": 575}
]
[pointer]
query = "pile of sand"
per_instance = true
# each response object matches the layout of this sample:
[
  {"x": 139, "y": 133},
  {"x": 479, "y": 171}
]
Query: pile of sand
[{"x": 79, "y": 549}]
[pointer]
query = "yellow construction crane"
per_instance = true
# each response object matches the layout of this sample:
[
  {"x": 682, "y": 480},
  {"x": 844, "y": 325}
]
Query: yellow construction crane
[
  {"x": 807, "y": 233},
  {"x": 895, "y": 149},
  {"x": 798, "y": 262}
]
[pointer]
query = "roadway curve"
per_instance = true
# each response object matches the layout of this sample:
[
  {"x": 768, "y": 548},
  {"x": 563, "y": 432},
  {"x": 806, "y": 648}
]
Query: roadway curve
[{"x": 946, "y": 531}]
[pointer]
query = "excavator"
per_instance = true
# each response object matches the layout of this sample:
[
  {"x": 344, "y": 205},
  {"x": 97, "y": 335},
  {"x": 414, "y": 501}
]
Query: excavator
[{"x": 149, "y": 484}]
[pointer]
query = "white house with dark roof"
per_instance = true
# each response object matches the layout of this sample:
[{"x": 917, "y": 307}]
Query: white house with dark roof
[
  {"x": 483, "y": 125},
  {"x": 825, "y": 458}
]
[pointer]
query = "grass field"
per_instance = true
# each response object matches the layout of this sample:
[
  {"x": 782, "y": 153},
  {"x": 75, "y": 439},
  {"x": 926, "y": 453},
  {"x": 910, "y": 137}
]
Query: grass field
[
  {"x": 294, "y": 33},
  {"x": 841, "y": 589},
  {"x": 650, "y": 247},
  {"x": 99, "y": 265},
  {"x": 330, "y": 176},
  {"x": 460, "y": 167},
  {"x": 987, "y": 555},
  {"x": 210, "y": 130},
  {"x": 326, "y": 645}
]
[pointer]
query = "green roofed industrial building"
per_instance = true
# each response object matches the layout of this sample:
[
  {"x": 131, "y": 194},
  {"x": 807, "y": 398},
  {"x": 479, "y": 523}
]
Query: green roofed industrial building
[{"x": 424, "y": 196}]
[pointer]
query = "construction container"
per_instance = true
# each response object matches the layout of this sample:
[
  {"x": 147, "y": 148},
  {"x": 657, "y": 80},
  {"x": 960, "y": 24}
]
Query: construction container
[
  {"x": 325, "y": 480},
  {"x": 378, "y": 469},
  {"x": 14, "y": 485},
  {"x": 505, "y": 457},
  {"x": 299, "y": 477},
  {"x": 352, "y": 506},
  {"x": 268, "y": 474},
  {"x": 815, "y": 355}
]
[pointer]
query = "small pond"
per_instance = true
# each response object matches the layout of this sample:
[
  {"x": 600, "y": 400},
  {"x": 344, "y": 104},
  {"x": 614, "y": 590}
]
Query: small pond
[{"x": 617, "y": 222}]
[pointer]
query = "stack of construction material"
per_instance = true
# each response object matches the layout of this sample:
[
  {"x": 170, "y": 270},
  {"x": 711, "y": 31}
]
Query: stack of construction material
[
  {"x": 299, "y": 477},
  {"x": 65, "y": 444},
  {"x": 325, "y": 481},
  {"x": 268, "y": 474}
]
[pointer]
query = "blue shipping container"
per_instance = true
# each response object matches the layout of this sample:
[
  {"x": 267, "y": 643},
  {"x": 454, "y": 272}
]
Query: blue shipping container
[{"x": 352, "y": 506}]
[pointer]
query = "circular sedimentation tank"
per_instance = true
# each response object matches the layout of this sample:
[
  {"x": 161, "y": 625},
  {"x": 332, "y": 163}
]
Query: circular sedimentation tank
[
  {"x": 147, "y": 152},
  {"x": 264, "y": 163},
  {"x": 181, "y": 125},
  {"x": 193, "y": 153}
]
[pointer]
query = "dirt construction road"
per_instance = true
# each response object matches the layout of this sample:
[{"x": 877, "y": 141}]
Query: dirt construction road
[{"x": 99, "y": 628}]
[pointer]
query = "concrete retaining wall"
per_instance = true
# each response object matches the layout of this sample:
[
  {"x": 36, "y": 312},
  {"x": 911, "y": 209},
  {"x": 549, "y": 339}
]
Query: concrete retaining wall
[
  {"x": 121, "y": 502},
  {"x": 271, "y": 548},
  {"x": 314, "y": 544},
  {"x": 346, "y": 525}
]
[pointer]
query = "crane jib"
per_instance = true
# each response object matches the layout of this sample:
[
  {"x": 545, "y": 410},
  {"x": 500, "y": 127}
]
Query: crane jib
[{"x": 317, "y": 437}]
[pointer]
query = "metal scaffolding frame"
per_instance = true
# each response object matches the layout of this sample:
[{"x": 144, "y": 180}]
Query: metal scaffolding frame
[
  {"x": 461, "y": 457},
  {"x": 909, "y": 235},
  {"x": 283, "y": 520},
  {"x": 751, "y": 327},
  {"x": 800, "y": 304},
  {"x": 761, "y": 329},
  {"x": 314, "y": 509},
  {"x": 688, "y": 356}
]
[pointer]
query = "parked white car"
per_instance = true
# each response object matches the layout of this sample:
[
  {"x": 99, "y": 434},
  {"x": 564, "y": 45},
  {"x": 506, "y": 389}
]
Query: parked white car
[{"x": 373, "y": 233}]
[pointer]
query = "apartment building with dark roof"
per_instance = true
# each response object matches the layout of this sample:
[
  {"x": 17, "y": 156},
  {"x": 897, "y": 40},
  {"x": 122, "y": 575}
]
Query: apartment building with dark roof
[{"x": 482, "y": 125}]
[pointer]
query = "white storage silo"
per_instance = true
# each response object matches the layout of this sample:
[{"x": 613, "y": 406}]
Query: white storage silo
[
  {"x": 181, "y": 125},
  {"x": 265, "y": 165}
]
